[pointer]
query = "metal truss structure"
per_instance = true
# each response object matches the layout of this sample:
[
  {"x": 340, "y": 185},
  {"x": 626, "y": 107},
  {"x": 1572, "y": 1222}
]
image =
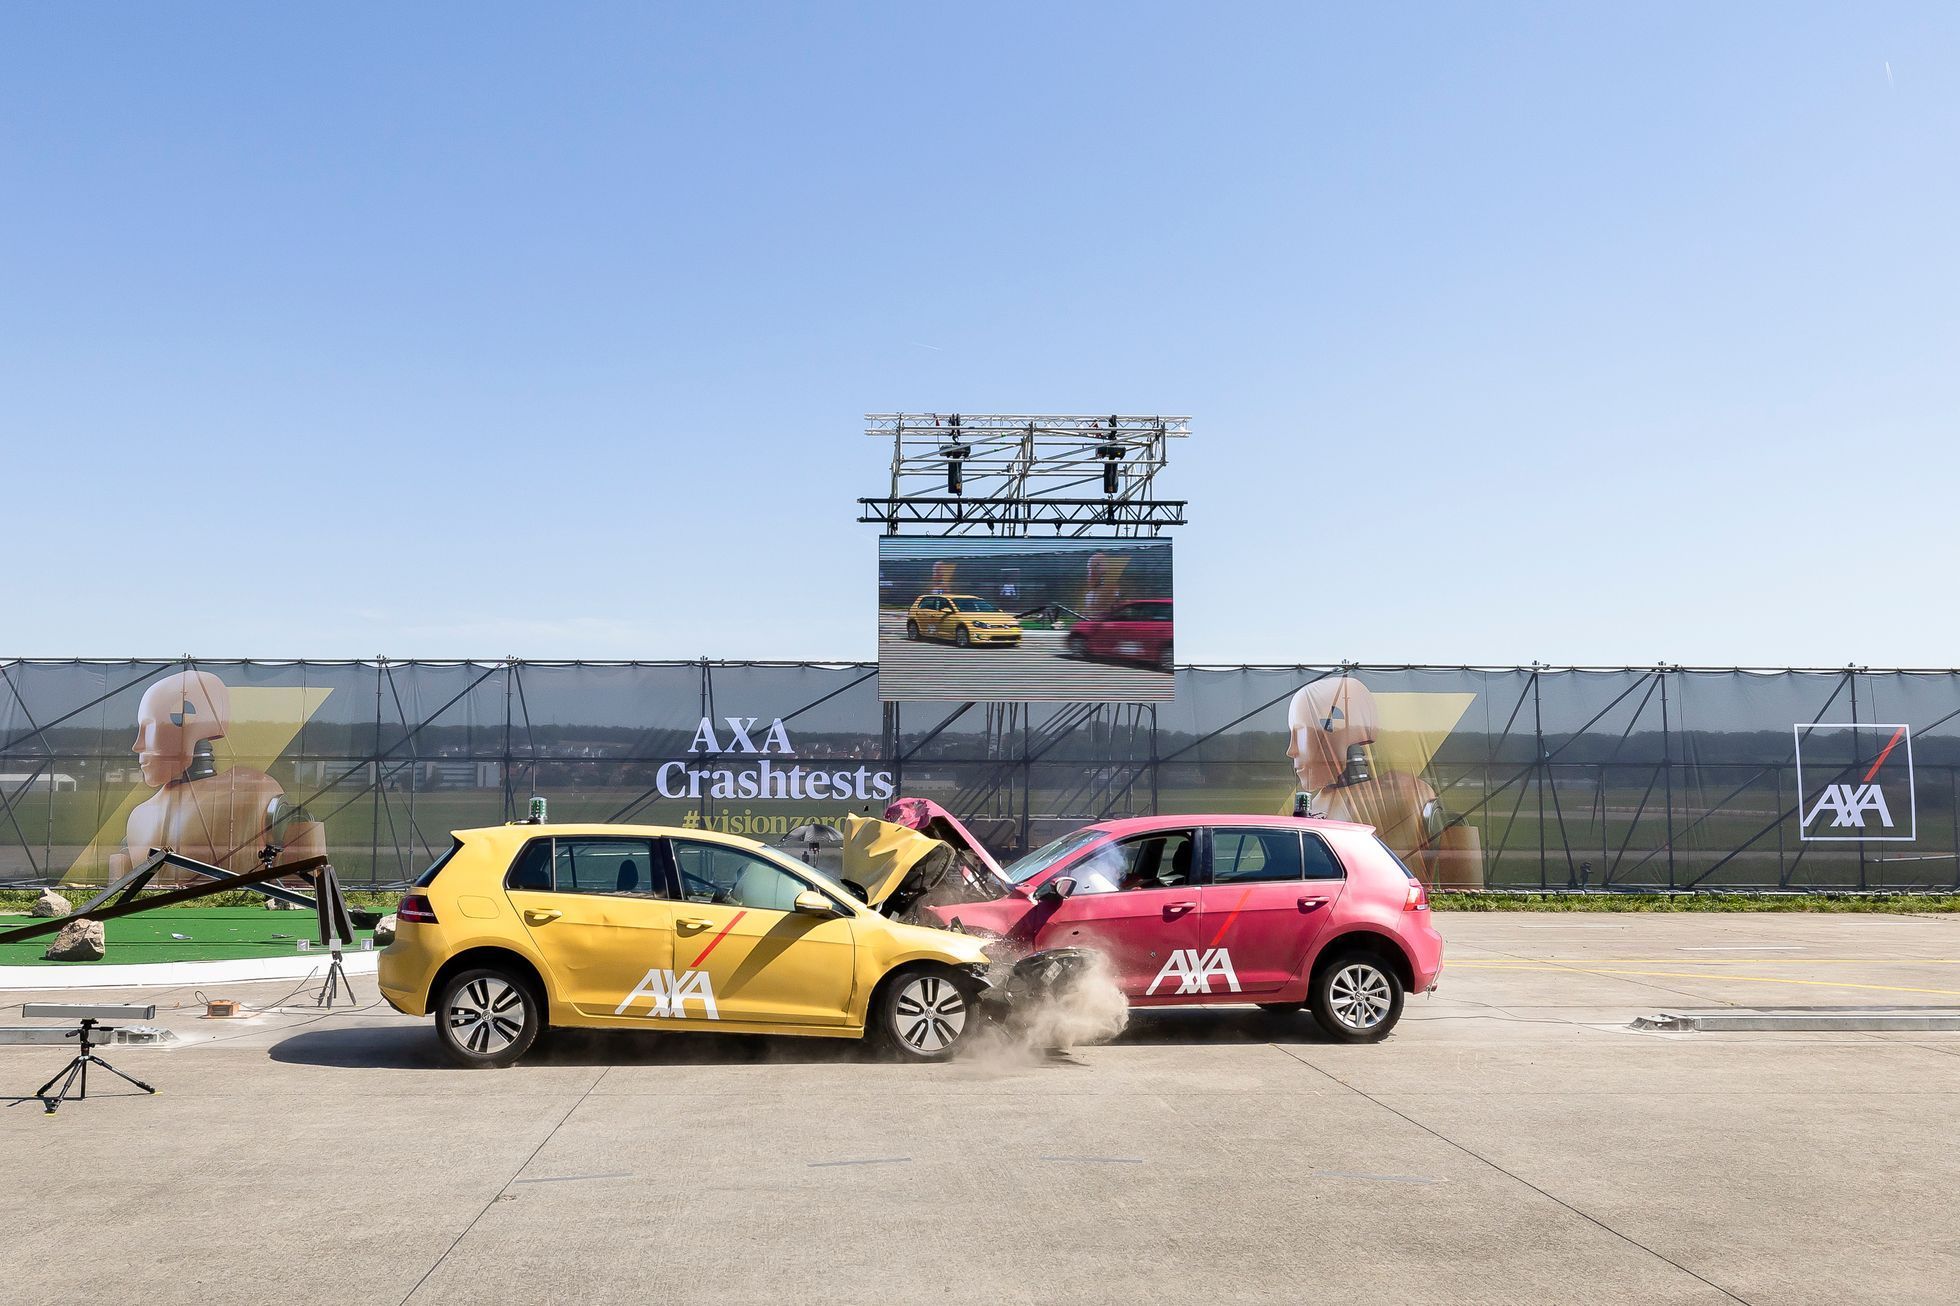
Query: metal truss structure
[{"x": 1011, "y": 473}]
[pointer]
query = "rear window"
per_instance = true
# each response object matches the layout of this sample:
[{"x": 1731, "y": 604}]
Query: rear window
[{"x": 428, "y": 877}]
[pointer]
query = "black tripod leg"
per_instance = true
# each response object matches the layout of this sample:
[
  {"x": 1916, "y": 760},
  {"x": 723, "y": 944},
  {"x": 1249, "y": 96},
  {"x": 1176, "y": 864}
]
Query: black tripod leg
[
  {"x": 68, "y": 1070},
  {"x": 119, "y": 1074},
  {"x": 53, "y": 1104}
]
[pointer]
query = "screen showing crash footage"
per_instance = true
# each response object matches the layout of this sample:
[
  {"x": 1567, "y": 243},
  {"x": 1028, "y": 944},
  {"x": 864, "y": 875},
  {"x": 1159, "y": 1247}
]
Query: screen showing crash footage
[{"x": 1024, "y": 620}]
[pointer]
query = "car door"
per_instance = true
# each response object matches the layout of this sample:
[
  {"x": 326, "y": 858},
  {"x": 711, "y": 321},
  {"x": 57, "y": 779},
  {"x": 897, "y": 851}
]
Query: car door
[
  {"x": 739, "y": 940},
  {"x": 1119, "y": 635},
  {"x": 600, "y": 911},
  {"x": 948, "y": 618},
  {"x": 1136, "y": 902},
  {"x": 1268, "y": 894}
]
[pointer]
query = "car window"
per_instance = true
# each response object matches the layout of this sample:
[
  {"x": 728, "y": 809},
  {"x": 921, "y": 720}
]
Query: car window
[
  {"x": 715, "y": 873},
  {"x": 428, "y": 877},
  {"x": 606, "y": 864},
  {"x": 1020, "y": 872},
  {"x": 1156, "y": 861},
  {"x": 1248, "y": 856},
  {"x": 974, "y": 605},
  {"x": 1321, "y": 862}
]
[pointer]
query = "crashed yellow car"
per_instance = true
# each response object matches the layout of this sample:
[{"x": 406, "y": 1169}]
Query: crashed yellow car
[{"x": 519, "y": 928}]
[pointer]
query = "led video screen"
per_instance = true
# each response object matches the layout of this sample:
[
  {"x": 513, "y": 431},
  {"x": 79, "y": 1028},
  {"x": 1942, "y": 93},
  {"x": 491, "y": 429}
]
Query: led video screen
[{"x": 1024, "y": 620}]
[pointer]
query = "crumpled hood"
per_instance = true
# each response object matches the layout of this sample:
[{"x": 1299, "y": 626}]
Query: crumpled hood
[{"x": 881, "y": 856}]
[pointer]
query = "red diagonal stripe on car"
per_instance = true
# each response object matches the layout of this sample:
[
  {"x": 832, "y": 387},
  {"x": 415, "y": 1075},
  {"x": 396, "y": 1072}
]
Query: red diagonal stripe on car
[
  {"x": 1230, "y": 918},
  {"x": 717, "y": 939}
]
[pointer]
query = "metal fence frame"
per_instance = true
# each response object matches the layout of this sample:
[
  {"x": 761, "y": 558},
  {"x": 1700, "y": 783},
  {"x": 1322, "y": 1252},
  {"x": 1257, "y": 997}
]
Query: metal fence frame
[{"x": 1122, "y": 759}]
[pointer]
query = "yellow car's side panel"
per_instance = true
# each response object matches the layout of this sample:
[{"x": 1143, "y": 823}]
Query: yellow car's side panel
[{"x": 636, "y": 961}]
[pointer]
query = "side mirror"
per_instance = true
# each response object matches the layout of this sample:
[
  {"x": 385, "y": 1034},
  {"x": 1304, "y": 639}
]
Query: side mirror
[
  {"x": 811, "y": 903},
  {"x": 1057, "y": 889}
]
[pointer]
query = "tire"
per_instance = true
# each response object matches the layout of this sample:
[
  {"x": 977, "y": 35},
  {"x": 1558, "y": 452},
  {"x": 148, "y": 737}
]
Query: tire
[
  {"x": 1076, "y": 646},
  {"x": 963, "y": 639},
  {"x": 924, "y": 1013},
  {"x": 1356, "y": 998},
  {"x": 911, "y": 629},
  {"x": 1164, "y": 663},
  {"x": 487, "y": 1017}
]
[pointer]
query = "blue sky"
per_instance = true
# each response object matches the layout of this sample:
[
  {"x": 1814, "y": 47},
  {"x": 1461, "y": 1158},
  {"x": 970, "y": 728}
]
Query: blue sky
[{"x": 1565, "y": 332}]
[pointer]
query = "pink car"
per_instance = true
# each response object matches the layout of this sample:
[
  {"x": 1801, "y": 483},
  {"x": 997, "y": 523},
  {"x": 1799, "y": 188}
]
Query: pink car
[
  {"x": 1282, "y": 912},
  {"x": 1138, "y": 631}
]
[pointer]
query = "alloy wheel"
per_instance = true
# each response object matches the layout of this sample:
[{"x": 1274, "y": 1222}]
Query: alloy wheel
[
  {"x": 929, "y": 1014},
  {"x": 1360, "y": 996},
  {"x": 486, "y": 1015}
]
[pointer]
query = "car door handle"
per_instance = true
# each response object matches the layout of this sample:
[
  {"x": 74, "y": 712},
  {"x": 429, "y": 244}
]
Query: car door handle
[
  {"x": 1179, "y": 906},
  {"x": 1308, "y": 904},
  {"x": 693, "y": 923},
  {"x": 539, "y": 915}
]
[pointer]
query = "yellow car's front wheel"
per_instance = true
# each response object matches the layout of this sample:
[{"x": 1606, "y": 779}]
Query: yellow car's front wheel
[{"x": 925, "y": 1013}]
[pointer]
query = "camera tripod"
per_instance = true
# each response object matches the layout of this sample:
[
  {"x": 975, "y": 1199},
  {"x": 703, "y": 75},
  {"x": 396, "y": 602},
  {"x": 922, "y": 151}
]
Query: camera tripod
[{"x": 78, "y": 1068}]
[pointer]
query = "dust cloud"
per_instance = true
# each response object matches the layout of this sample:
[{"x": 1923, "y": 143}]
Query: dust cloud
[{"x": 1082, "y": 1007}]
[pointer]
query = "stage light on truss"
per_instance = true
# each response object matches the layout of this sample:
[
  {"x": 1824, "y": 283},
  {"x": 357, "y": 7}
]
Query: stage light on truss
[{"x": 955, "y": 454}]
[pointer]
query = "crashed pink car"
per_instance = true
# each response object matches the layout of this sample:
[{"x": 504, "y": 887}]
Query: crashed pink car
[{"x": 1196, "y": 910}]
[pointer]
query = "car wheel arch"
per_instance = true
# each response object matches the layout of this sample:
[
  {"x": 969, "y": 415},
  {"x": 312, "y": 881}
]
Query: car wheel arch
[
  {"x": 498, "y": 957},
  {"x": 915, "y": 961},
  {"x": 1380, "y": 945}
]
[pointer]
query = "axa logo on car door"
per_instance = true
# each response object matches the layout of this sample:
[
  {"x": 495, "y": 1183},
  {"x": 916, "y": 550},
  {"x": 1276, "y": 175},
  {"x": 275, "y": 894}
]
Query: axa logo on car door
[
  {"x": 1194, "y": 969},
  {"x": 1855, "y": 782}
]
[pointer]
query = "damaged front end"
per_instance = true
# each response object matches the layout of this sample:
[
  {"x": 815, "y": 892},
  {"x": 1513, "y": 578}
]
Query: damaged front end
[
  {"x": 921, "y": 857},
  {"x": 897, "y": 869}
]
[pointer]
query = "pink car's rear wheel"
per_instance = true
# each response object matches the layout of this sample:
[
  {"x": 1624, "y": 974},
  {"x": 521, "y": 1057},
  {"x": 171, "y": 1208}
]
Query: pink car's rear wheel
[{"x": 1356, "y": 997}]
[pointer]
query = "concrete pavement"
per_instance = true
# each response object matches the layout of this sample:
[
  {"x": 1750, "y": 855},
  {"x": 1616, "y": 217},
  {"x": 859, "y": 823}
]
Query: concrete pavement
[{"x": 1515, "y": 1141}]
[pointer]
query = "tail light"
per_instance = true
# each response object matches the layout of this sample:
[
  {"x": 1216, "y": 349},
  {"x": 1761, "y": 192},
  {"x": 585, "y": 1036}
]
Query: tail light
[
  {"x": 1418, "y": 899},
  {"x": 415, "y": 907}
]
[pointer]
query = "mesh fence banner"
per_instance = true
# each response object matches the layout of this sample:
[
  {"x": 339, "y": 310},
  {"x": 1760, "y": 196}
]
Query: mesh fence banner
[{"x": 1527, "y": 777}]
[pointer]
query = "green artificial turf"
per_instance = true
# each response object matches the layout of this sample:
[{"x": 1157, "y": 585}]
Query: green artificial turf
[{"x": 214, "y": 934}]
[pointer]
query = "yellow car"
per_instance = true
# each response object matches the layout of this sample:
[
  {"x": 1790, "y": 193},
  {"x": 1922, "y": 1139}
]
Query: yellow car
[
  {"x": 966, "y": 619},
  {"x": 525, "y": 926}
]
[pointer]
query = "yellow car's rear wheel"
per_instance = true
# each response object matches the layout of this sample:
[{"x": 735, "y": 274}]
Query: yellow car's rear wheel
[{"x": 487, "y": 1017}]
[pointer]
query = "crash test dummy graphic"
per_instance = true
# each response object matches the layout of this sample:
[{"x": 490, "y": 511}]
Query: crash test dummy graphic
[
  {"x": 1332, "y": 726},
  {"x": 224, "y": 817}
]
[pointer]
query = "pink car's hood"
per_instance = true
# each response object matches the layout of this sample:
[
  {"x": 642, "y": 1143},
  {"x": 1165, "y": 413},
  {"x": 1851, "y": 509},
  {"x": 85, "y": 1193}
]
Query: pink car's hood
[{"x": 928, "y": 817}]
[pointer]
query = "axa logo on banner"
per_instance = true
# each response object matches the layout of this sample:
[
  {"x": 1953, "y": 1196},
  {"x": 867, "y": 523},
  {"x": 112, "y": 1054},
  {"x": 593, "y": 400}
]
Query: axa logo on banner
[
  {"x": 1855, "y": 782},
  {"x": 1194, "y": 968},
  {"x": 671, "y": 992},
  {"x": 766, "y": 778}
]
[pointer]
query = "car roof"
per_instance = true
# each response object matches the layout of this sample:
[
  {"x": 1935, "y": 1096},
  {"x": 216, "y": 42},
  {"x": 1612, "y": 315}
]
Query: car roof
[
  {"x": 518, "y": 831},
  {"x": 1145, "y": 824}
]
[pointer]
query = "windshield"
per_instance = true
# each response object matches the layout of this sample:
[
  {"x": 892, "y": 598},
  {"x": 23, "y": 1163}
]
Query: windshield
[
  {"x": 1047, "y": 855},
  {"x": 972, "y": 605}
]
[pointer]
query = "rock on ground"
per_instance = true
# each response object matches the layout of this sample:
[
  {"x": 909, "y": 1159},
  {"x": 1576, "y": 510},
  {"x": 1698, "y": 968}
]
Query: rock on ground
[
  {"x": 50, "y": 904},
  {"x": 384, "y": 931},
  {"x": 78, "y": 941}
]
